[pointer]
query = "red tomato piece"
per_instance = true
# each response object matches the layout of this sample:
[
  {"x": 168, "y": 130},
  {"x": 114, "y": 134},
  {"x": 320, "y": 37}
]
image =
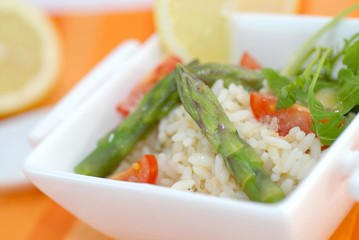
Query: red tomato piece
[
  {"x": 293, "y": 116},
  {"x": 143, "y": 171},
  {"x": 249, "y": 62},
  {"x": 164, "y": 68},
  {"x": 262, "y": 105},
  {"x": 264, "y": 109}
]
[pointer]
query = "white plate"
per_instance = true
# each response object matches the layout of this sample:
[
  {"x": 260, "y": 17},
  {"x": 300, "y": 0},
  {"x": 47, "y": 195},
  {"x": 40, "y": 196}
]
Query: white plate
[
  {"x": 19, "y": 134},
  {"x": 64, "y": 7},
  {"x": 15, "y": 148},
  {"x": 124, "y": 210}
]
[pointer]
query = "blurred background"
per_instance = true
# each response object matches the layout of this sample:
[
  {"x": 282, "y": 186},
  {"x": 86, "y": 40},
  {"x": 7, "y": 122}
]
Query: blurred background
[{"x": 88, "y": 30}]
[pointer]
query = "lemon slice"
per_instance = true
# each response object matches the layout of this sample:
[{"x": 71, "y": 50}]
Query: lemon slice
[
  {"x": 29, "y": 56},
  {"x": 200, "y": 29}
]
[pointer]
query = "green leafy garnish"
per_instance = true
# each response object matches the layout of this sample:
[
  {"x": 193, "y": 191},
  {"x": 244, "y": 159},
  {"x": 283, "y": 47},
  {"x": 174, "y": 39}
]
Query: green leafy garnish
[
  {"x": 291, "y": 92},
  {"x": 327, "y": 123},
  {"x": 295, "y": 63},
  {"x": 297, "y": 83},
  {"x": 351, "y": 59}
]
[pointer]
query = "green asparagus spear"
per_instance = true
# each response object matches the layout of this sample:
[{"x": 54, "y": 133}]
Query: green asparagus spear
[
  {"x": 242, "y": 161},
  {"x": 210, "y": 72},
  {"x": 110, "y": 151},
  {"x": 157, "y": 103},
  {"x": 251, "y": 80}
]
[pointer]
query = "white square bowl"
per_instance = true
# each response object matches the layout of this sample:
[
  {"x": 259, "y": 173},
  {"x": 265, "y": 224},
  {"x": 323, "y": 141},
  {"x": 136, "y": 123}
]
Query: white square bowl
[{"x": 124, "y": 210}]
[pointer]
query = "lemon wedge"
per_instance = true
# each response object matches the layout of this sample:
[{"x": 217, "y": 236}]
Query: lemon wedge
[
  {"x": 200, "y": 29},
  {"x": 29, "y": 56}
]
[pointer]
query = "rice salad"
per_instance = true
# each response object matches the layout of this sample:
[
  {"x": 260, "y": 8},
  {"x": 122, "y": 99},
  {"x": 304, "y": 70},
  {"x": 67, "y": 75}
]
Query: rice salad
[{"x": 187, "y": 162}]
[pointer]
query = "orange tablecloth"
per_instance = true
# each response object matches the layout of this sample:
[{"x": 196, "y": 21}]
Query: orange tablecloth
[{"x": 87, "y": 39}]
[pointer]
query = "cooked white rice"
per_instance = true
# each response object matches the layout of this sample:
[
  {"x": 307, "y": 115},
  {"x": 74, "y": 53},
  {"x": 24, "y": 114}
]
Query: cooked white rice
[{"x": 187, "y": 162}]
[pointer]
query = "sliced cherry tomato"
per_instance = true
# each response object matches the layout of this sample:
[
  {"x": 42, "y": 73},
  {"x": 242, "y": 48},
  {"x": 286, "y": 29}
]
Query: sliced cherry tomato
[
  {"x": 262, "y": 105},
  {"x": 249, "y": 62},
  {"x": 143, "y": 171},
  {"x": 164, "y": 68},
  {"x": 264, "y": 109}
]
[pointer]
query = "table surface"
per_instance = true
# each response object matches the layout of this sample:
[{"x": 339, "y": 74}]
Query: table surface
[{"x": 86, "y": 39}]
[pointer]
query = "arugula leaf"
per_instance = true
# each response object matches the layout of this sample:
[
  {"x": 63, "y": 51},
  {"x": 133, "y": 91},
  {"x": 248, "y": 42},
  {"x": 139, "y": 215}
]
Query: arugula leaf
[
  {"x": 351, "y": 58},
  {"x": 290, "y": 92},
  {"x": 278, "y": 85},
  {"x": 326, "y": 124},
  {"x": 348, "y": 90},
  {"x": 347, "y": 44},
  {"x": 296, "y": 61},
  {"x": 274, "y": 80}
]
